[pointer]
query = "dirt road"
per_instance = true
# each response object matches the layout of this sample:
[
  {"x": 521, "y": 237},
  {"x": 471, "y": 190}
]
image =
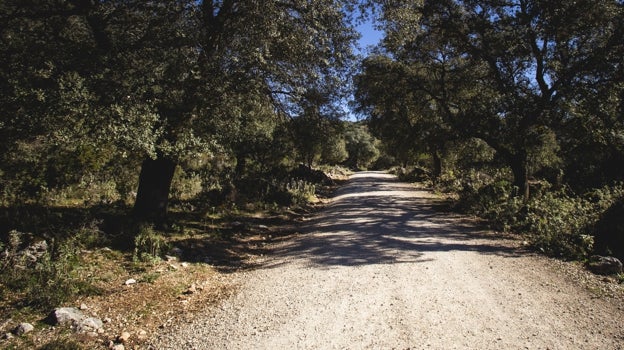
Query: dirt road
[{"x": 380, "y": 269}]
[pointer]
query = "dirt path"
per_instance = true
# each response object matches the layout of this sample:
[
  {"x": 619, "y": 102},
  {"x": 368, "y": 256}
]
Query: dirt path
[{"x": 379, "y": 269}]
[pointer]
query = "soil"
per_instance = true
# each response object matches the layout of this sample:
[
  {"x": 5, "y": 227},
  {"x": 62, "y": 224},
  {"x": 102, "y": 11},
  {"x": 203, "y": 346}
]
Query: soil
[{"x": 381, "y": 268}]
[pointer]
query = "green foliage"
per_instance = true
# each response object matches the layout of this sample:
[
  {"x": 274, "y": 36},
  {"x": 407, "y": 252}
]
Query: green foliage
[
  {"x": 149, "y": 245},
  {"x": 186, "y": 186},
  {"x": 412, "y": 174},
  {"x": 301, "y": 192},
  {"x": 334, "y": 150},
  {"x": 558, "y": 223},
  {"x": 56, "y": 268},
  {"x": 96, "y": 88},
  {"x": 520, "y": 76},
  {"x": 361, "y": 147}
]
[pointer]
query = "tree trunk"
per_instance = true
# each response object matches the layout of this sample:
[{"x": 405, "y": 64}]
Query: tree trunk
[
  {"x": 521, "y": 176},
  {"x": 154, "y": 186}
]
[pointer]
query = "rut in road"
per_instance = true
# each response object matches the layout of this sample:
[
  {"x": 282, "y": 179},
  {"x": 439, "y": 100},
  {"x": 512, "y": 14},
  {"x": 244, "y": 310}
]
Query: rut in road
[{"x": 379, "y": 268}]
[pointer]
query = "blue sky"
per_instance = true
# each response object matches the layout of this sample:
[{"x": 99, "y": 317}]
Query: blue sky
[{"x": 370, "y": 36}]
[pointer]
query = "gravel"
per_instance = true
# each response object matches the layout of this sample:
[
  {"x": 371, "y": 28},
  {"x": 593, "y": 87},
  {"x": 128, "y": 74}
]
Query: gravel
[{"x": 379, "y": 268}]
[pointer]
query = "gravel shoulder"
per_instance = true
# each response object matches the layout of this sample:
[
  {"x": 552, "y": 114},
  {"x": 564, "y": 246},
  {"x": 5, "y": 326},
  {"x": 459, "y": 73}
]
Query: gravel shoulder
[{"x": 379, "y": 268}]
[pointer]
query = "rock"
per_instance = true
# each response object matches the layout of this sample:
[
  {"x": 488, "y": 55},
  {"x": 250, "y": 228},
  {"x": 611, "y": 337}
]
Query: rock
[
  {"x": 83, "y": 306},
  {"x": 90, "y": 323},
  {"x": 7, "y": 336},
  {"x": 118, "y": 347},
  {"x": 74, "y": 317},
  {"x": 107, "y": 320},
  {"x": 130, "y": 281},
  {"x": 604, "y": 265},
  {"x": 123, "y": 337},
  {"x": 23, "y": 328},
  {"x": 192, "y": 289},
  {"x": 35, "y": 251},
  {"x": 142, "y": 334},
  {"x": 65, "y": 315}
]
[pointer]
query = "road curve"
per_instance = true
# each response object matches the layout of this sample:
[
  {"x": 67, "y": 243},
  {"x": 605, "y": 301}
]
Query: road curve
[{"x": 378, "y": 268}]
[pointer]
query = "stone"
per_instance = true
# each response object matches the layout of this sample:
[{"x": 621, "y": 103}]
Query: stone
[
  {"x": 24, "y": 328},
  {"x": 65, "y": 315},
  {"x": 142, "y": 335},
  {"x": 83, "y": 306},
  {"x": 118, "y": 347},
  {"x": 7, "y": 336},
  {"x": 130, "y": 281},
  {"x": 90, "y": 323},
  {"x": 75, "y": 318},
  {"x": 192, "y": 289},
  {"x": 123, "y": 337},
  {"x": 604, "y": 265}
]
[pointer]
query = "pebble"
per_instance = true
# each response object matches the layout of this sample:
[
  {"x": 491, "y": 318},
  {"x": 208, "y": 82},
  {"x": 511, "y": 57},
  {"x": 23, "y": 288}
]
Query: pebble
[
  {"x": 24, "y": 328},
  {"x": 123, "y": 337},
  {"x": 130, "y": 281}
]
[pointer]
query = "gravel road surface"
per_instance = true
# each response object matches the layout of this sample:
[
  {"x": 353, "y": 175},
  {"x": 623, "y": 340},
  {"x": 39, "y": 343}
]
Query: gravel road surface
[{"x": 378, "y": 268}]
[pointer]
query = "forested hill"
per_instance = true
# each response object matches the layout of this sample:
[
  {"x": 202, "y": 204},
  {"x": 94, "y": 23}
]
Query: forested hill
[{"x": 124, "y": 124}]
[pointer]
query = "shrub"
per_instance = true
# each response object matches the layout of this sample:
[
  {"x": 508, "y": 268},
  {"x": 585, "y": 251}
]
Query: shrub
[
  {"x": 185, "y": 186},
  {"x": 149, "y": 245},
  {"x": 493, "y": 203},
  {"x": 301, "y": 191},
  {"x": 412, "y": 174},
  {"x": 29, "y": 267},
  {"x": 560, "y": 224}
]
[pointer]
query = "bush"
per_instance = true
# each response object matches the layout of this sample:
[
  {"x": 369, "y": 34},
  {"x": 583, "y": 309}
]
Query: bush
[
  {"x": 412, "y": 174},
  {"x": 560, "y": 224},
  {"x": 29, "y": 266},
  {"x": 149, "y": 245},
  {"x": 494, "y": 203},
  {"x": 301, "y": 191}
]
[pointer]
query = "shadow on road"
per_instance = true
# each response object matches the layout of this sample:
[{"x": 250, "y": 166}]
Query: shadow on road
[{"x": 375, "y": 219}]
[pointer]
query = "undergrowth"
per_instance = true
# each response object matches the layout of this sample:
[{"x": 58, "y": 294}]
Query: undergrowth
[{"x": 557, "y": 222}]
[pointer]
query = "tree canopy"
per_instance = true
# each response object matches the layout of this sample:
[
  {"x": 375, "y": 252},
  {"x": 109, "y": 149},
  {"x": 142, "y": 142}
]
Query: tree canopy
[
  {"x": 160, "y": 82},
  {"x": 516, "y": 74}
]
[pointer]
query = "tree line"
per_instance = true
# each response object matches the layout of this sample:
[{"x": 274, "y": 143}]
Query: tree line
[
  {"x": 131, "y": 96},
  {"x": 516, "y": 105},
  {"x": 518, "y": 101}
]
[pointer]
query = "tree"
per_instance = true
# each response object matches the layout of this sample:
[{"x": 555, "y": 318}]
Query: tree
[
  {"x": 404, "y": 109},
  {"x": 163, "y": 80},
  {"x": 361, "y": 146},
  {"x": 528, "y": 64}
]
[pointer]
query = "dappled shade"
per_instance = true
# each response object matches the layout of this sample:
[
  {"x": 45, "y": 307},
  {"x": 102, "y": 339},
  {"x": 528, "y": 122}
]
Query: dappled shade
[{"x": 378, "y": 220}]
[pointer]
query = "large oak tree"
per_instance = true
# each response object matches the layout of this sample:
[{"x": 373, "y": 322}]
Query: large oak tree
[{"x": 163, "y": 80}]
